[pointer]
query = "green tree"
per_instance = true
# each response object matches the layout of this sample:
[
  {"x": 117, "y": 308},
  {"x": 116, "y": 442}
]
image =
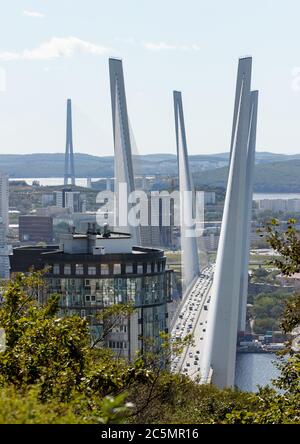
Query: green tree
[
  {"x": 267, "y": 309},
  {"x": 49, "y": 359},
  {"x": 284, "y": 407},
  {"x": 54, "y": 356},
  {"x": 287, "y": 243},
  {"x": 259, "y": 275}
]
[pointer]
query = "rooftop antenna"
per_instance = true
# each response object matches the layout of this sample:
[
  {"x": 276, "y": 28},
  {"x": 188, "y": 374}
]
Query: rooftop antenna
[{"x": 106, "y": 231}]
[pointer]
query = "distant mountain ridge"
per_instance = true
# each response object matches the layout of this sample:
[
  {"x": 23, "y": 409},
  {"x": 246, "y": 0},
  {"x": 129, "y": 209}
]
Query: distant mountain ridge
[
  {"x": 273, "y": 172},
  {"x": 274, "y": 177},
  {"x": 52, "y": 164}
]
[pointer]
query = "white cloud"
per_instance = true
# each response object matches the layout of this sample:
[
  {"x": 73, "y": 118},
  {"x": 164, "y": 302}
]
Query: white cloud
[
  {"x": 195, "y": 47},
  {"x": 163, "y": 46},
  {"x": 55, "y": 48},
  {"x": 128, "y": 40},
  {"x": 34, "y": 14}
]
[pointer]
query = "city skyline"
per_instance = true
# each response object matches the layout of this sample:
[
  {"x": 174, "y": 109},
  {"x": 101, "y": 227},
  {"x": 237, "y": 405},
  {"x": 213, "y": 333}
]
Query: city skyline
[
  {"x": 56, "y": 55},
  {"x": 149, "y": 215}
]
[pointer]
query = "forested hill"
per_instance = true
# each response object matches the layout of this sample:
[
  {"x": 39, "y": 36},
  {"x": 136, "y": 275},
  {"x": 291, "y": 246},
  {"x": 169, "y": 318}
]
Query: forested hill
[
  {"x": 274, "y": 172},
  {"x": 52, "y": 165},
  {"x": 272, "y": 177}
]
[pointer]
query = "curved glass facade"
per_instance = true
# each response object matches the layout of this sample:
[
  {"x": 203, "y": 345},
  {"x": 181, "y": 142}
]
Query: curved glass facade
[
  {"x": 87, "y": 283},
  {"x": 149, "y": 294}
]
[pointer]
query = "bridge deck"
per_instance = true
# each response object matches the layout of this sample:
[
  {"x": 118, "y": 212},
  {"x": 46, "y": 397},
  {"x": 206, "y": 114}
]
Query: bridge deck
[{"x": 192, "y": 319}]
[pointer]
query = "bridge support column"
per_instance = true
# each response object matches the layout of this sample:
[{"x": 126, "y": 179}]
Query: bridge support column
[
  {"x": 190, "y": 259},
  {"x": 248, "y": 211},
  {"x": 219, "y": 353},
  {"x": 122, "y": 143}
]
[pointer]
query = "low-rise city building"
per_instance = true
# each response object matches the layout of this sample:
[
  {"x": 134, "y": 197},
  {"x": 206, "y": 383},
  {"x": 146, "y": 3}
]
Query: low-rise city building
[{"x": 34, "y": 229}]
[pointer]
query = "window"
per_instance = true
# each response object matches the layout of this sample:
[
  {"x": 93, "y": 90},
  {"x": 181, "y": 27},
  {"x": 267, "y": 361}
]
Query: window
[
  {"x": 87, "y": 283},
  {"x": 117, "y": 268},
  {"x": 129, "y": 268},
  {"x": 82, "y": 313},
  {"x": 56, "y": 269},
  {"x": 79, "y": 269},
  {"x": 140, "y": 269},
  {"x": 67, "y": 269},
  {"x": 87, "y": 298},
  {"x": 104, "y": 269},
  {"x": 91, "y": 270}
]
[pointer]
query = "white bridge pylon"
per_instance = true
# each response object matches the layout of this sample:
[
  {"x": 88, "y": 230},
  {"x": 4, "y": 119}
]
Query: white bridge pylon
[
  {"x": 189, "y": 248},
  {"x": 122, "y": 144},
  {"x": 229, "y": 289},
  {"x": 248, "y": 210}
]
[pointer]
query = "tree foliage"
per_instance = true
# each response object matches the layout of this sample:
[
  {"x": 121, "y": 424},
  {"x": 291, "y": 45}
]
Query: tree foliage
[
  {"x": 267, "y": 310},
  {"x": 284, "y": 406},
  {"x": 51, "y": 371}
]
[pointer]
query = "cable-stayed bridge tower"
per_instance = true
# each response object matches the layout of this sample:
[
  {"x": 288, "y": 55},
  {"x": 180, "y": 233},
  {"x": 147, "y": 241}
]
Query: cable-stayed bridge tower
[
  {"x": 219, "y": 353},
  {"x": 190, "y": 259},
  {"x": 122, "y": 145},
  {"x": 248, "y": 210},
  {"x": 69, "y": 155}
]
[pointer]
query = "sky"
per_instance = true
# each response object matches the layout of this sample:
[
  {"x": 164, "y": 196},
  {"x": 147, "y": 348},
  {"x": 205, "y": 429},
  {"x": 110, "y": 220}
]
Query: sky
[{"x": 51, "y": 50}]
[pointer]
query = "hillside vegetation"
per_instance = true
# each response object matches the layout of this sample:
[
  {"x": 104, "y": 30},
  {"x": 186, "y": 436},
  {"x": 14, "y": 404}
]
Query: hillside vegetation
[
  {"x": 269, "y": 177},
  {"x": 273, "y": 173}
]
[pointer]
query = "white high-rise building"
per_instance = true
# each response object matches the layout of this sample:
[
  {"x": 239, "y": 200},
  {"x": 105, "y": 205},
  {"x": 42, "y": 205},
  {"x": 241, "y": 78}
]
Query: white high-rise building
[
  {"x": 5, "y": 250},
  {"x": 74, "y": 200}
]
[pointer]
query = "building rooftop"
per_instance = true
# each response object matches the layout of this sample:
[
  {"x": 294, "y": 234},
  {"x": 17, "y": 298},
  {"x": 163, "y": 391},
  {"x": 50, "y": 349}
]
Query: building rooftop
[
  {"x": 112, "y": 235},
  {"x": 94, "y": 247}
]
